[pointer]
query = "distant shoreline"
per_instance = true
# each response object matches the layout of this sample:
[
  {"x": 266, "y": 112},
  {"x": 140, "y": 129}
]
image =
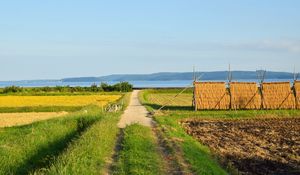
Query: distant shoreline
[{"x": 136, "y": 84}]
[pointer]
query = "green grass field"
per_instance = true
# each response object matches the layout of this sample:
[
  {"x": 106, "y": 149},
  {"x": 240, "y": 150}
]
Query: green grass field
[
  {"x": 138, "y": 153},
  {"x": 87, "y": 154},
  {"x": 79, "y": 143},
  {"x": 25, "y": 148}
]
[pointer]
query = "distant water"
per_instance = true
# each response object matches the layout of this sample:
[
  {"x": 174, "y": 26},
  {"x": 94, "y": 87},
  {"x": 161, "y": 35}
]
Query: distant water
[{"x": 136, "y": 84}]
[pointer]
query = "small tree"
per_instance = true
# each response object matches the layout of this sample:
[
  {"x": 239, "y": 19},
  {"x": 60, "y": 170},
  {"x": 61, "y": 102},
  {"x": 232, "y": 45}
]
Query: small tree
[
  {"x": 94, "y": 88},
  {"x": 106, "y": 87},
  {"x": 46, "y": 89},
  {"x": 12, "y": 89}
]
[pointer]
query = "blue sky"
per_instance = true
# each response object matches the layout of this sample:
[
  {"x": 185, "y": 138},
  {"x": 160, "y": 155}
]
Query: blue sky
[{"x": 67, "y": 38}]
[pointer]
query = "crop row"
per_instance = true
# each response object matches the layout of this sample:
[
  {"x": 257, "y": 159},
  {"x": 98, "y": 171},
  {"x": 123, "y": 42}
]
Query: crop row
[{"x": 79, "y": 100}]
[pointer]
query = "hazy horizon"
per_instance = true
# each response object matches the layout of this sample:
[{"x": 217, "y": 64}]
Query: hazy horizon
[
  {"x": 60, "y": 39},
  {"x": 197, "y": 72}
]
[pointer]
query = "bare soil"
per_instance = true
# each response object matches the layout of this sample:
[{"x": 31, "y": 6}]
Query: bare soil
[{"x": 253, "y": 146}]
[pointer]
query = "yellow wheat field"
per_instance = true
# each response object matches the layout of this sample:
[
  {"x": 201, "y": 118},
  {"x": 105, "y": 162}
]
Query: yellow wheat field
[
  {"x": 80, "y": 100},
  {"x": 17, "y": 119}
]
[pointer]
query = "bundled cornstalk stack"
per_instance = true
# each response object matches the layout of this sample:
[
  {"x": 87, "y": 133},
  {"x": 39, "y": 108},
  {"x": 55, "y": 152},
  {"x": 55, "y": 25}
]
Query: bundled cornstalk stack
[
  {"x": 297, "y": 88},
  {"x": 244, "y": 96},
  {"x": 278, "y": 95},
  {"x": 211, "y": 95}
]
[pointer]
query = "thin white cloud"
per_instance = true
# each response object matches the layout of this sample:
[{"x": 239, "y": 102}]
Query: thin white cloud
[{"x": 287, "y": 45}]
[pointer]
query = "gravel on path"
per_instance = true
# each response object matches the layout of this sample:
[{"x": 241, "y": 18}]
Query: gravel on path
[{"x": 135, "y": 113}]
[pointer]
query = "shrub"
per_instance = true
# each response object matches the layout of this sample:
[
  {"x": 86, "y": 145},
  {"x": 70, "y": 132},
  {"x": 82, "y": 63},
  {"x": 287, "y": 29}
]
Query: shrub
[
  {"x": 12, "y": 89},
  {"x": 94, "y": 88},
  {"x": 46, "y": 89},
  {"x": 121, "y": 87},
  {"x": 106, "y": 87}
]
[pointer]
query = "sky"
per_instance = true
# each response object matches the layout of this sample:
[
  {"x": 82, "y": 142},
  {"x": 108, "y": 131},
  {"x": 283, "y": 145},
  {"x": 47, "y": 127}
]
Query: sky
[{"x": 54, "y": 39}]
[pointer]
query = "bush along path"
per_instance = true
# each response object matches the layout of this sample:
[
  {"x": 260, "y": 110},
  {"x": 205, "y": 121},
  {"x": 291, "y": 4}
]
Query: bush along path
[{"x": 141, "y": 149}]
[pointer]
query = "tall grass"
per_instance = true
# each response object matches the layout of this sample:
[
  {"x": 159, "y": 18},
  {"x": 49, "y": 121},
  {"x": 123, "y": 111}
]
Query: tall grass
[
  {"x": 139, "y": 154},
  {"x": 26, "y": 148},
  {"x": 88, "y": 154}
]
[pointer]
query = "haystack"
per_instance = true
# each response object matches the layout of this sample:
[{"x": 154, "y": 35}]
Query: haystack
[
  {"x": 278, "y": 95},
  {"x": 245, "y": 95},
  {"x": 211, "y": 95}
]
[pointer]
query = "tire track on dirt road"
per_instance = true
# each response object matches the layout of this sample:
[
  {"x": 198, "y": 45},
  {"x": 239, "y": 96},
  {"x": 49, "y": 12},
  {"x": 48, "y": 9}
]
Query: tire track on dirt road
[{"x": 137, "y": 113}]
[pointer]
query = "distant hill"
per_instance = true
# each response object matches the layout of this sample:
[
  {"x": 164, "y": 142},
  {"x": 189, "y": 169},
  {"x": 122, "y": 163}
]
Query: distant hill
[{"x": 169, "y": 76}]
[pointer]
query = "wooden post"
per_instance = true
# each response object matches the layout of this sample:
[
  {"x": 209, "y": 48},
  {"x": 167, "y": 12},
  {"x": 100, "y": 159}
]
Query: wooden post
[
  {"x": 261, "y": 87},
  {"x": 230, "y": 97},
  {"x": 296, "y": 75},
  {"x": 261, "y": 77},
  {"x": 295, "y": 95},
  {"x": 194, "y": 77},
  {"x": 229, "y": 82},
  {"x": 195, "y": 97}
]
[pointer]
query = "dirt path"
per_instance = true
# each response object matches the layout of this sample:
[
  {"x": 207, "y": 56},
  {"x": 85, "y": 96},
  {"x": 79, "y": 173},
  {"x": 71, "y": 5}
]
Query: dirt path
[{"x": 135, "y": 113}]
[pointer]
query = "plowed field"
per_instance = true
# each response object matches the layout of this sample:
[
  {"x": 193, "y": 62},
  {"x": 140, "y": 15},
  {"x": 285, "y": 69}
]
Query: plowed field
[{"x": 256, "y": 146}]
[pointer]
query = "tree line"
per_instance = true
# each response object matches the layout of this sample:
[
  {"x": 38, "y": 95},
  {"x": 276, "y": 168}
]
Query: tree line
[{"x": 103, "y": 87}]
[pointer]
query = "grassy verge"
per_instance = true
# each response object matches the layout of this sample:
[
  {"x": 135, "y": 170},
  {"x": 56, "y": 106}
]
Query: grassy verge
[
  {"x": 40, "y": 109},
  {"x": 199, "y": 158},
  {"x": 90, "y": 153},
  {"x": 139, "y": 154},
  {"x": 26, "y": 148}
]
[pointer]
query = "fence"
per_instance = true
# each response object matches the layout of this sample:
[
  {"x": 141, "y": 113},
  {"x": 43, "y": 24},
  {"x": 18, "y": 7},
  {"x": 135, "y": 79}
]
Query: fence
[
  {"x": 241, "y": 95},
  {"x": 245, "y": 96},
  {"x": 211, "y": 95}
]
